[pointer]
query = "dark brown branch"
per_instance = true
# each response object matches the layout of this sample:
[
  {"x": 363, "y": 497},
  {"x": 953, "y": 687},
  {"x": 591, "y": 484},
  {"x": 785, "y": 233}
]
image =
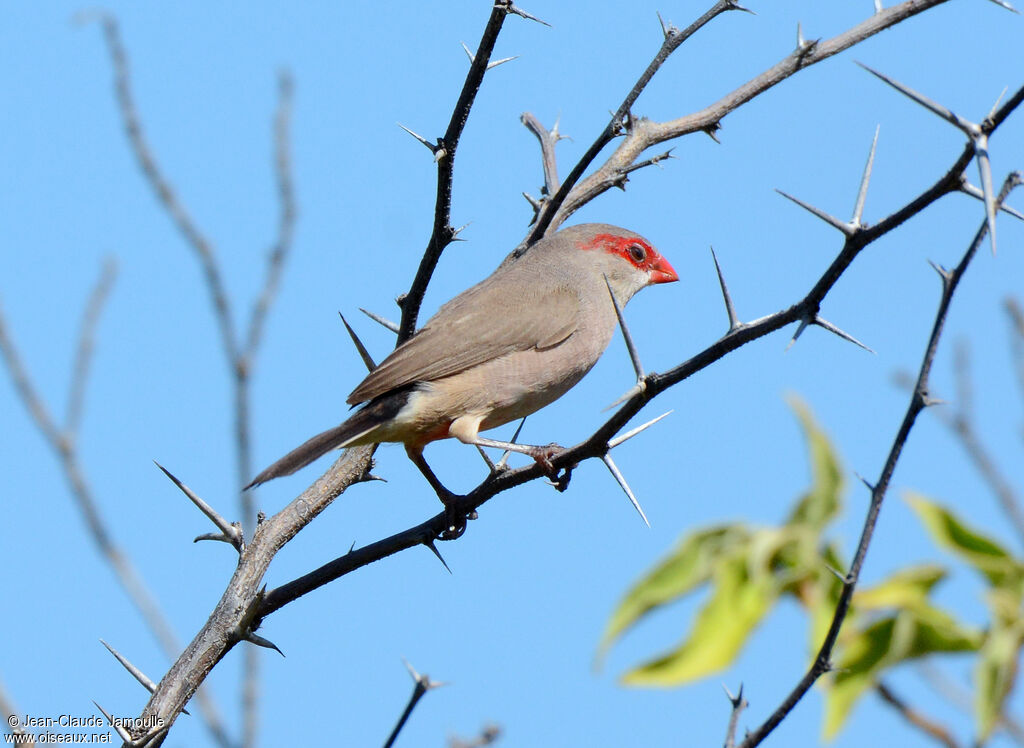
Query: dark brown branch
[
  {"x": 443, "y": 232},
  {"x": 919, "y": 399},
  {"x": 923, "y": 723}
]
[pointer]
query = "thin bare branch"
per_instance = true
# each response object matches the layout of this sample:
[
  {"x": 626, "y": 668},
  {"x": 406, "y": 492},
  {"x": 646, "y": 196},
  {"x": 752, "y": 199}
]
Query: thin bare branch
[
  {"x": 738, "y": 705},
  {"x": 548, "y": 139},
  {"x": 925, "y": 724},
  {"x": 287, "y": 213},
  {"x": 165, "y": 194},
  {"x": 86, "y": 343}
]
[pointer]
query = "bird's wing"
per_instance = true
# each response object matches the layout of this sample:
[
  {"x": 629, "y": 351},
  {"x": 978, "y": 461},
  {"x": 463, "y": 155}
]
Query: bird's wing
[{"x": 481, "y": 324}]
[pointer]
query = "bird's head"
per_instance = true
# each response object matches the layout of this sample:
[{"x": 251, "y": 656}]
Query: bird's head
[{"x": 628, "y": 260}]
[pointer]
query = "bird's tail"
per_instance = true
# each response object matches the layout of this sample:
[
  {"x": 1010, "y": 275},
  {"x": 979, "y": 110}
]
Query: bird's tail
[{"x": 361, "y": 423}]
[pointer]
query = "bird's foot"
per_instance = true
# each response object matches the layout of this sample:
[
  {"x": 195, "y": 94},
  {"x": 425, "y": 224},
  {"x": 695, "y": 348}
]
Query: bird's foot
[
  {"x": 544, "y": 455},
  {"x": 454, "y": 518}
]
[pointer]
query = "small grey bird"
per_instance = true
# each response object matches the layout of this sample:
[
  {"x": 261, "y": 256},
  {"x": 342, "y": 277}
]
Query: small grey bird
[{"x": 499, "y": 351}]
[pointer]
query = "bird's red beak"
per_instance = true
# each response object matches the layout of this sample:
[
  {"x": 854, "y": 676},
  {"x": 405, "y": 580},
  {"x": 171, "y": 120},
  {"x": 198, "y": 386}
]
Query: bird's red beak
[{"x": 662, "y": 271}]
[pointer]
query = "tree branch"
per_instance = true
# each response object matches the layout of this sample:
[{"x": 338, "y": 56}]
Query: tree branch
[{"x": 918, "y": 401}]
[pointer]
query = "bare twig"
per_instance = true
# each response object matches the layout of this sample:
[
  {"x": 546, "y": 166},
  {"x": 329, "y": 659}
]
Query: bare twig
[
  {"x": 86, "y": 342},
  {"x": 960, "y": 420},
  {"x": 925, "y": 724},
  {"x": 548, "y": 139},
  {"x": 962, "y": 698},
  {"x": 488, "y": 736},
  {"x": 738, "y": 705}
]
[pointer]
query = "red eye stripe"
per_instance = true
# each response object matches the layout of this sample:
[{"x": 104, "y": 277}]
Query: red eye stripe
[{"x": 620, "y": 245}]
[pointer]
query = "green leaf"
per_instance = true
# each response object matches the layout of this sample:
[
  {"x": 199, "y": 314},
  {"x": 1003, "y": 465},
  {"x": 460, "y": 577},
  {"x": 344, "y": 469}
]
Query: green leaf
[
  {"x": 986, "y": 555},
  {"x": 995, "y": 675},
  {"x": 905, "y": 588},
  {"x": 741, "y": 596},
  {"x": 822, "y": 501},
  {"x": 689, "y": 566}
]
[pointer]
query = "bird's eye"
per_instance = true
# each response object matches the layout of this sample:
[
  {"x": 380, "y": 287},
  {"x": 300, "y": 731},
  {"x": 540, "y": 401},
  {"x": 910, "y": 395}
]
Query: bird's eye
[{"x": 637, "y": 253}]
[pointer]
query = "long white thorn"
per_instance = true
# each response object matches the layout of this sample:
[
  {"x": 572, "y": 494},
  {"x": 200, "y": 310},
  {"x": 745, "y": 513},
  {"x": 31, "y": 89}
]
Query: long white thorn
[
  {"x": 968, "y": 127},
  {"x": 862, "y": 193},
  {"x": 630, "y": 346},
  {"x": 989, "y": 195},
  {"x": 430, "y": 146},
  {"x": 825, "y": 324},
  {"x": 829, "y": 219},
  {"x": 614, "y": 470},
  {"x": 633, "y": 432},
  {"x": 380, "y": 320}
]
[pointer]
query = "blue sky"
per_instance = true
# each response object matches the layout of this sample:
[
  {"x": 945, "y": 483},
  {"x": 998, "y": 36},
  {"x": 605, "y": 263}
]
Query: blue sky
[{"x": 514, "y": 629}]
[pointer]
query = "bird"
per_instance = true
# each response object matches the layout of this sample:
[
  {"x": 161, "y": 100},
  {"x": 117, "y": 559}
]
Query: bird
[{"x": 499, "y": 351}]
